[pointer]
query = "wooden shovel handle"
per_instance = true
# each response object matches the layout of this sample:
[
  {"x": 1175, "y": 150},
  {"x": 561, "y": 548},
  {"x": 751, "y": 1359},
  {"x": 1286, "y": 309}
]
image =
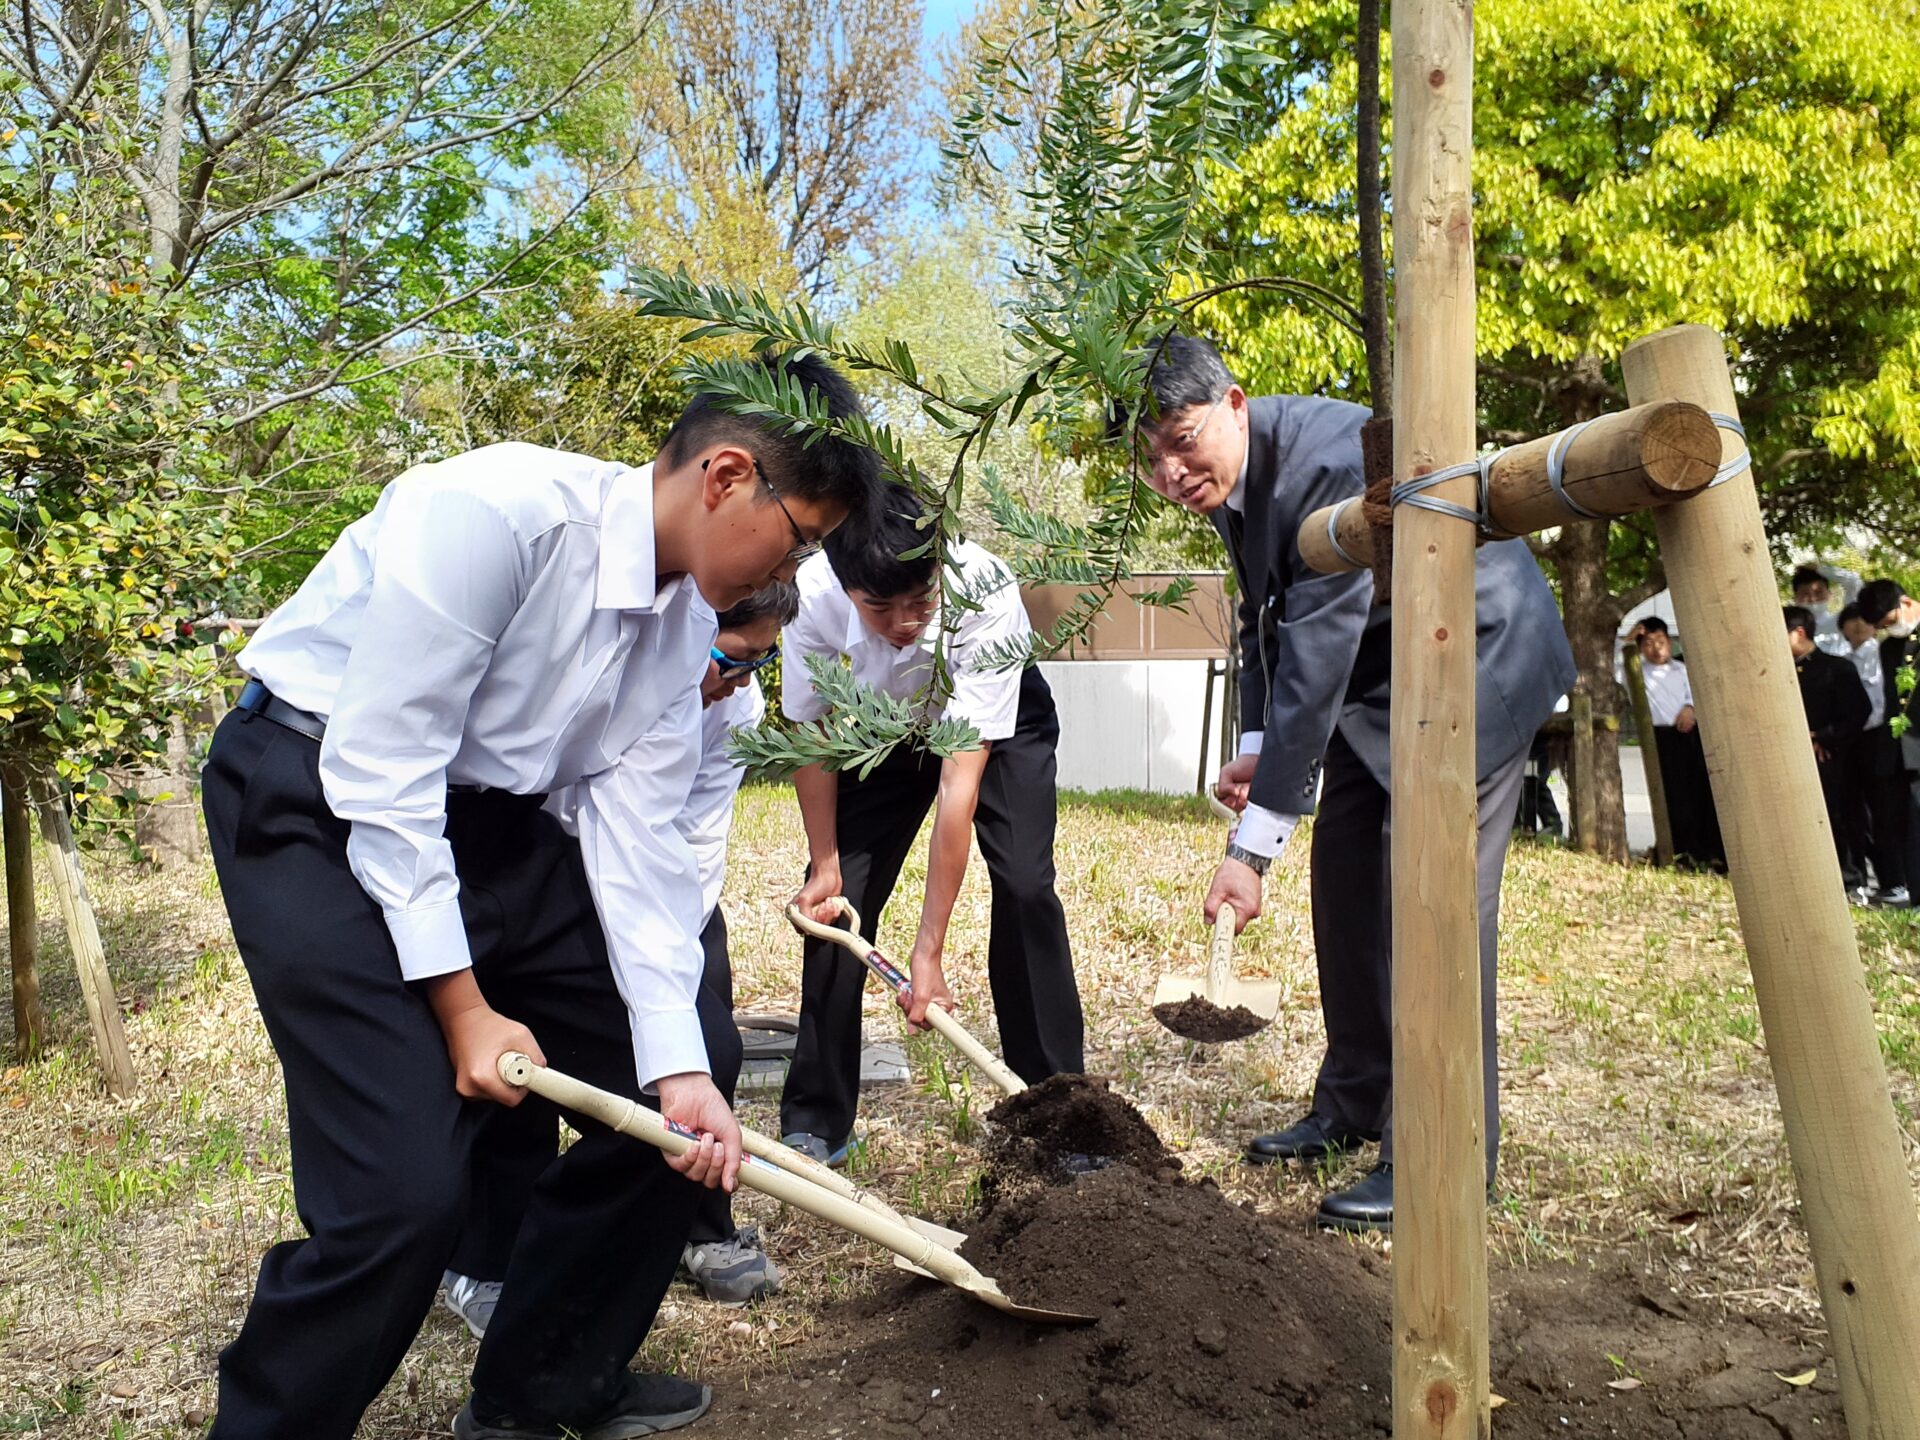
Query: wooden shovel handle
[
  {"x": 1220, "y": 954},
  {"x": 949, "y": 1028},
  {"x": 629, "y": 1117}
]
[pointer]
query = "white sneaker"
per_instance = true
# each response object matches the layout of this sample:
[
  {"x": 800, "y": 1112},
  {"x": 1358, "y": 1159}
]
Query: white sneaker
[{"x": 472, "y": 1300}]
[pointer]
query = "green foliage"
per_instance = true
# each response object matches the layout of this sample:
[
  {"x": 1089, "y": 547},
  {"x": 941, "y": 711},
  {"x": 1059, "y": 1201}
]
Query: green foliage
[
  {"x": 861, "y": 727},
  {"x": 105, "y": 562},
  {"x": 1115, "y": 220}
]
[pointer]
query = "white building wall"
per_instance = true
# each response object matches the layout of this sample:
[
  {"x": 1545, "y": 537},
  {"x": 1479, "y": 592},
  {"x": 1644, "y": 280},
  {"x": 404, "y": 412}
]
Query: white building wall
[{"x": 1134, "y": 724}]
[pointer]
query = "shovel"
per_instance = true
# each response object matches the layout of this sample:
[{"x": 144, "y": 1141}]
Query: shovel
[
  {"x": 924, "y": 1254},
  {"x": 1220, "y": 985},
  {"x": 955, "y": 1033}
]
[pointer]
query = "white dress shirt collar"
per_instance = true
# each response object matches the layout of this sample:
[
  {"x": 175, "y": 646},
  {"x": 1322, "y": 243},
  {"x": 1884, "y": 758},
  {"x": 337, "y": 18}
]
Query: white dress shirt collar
[
  {"x": 1237, "y": 497},
  {"x": 627, "y": 579}
]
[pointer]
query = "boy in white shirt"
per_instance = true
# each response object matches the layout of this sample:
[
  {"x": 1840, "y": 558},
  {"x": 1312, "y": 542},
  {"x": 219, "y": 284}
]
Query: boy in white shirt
[
  {"x": 727, "y": 1263},
  {"x": 862, "y": 602}
]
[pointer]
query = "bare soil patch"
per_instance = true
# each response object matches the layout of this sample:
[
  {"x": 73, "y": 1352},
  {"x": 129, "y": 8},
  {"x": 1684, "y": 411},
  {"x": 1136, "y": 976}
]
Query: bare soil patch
[{"x": 1198, "y": 1018}]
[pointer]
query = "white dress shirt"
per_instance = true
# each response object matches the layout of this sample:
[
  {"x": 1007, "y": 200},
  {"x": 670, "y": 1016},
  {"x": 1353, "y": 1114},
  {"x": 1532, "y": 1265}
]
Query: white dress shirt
[
  {"x": 1668, "y": 689},
  {"x": 829, "y": 624},
  {"x": 1867, "y": 661},
  {"x": 497, "y": 622},
  {"x": 708, "y": 817}
]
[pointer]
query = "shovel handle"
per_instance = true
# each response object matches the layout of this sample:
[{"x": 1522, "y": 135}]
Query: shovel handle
[
  {"x": 629, "y": 1117},
  {"x": 785, "y": 1157},
  {"x": 938, "y": 1017},
  {"x": 1220, "y": 954}
]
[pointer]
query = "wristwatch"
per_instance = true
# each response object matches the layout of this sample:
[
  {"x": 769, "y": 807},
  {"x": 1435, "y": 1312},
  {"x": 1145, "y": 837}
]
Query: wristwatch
[{"x": 1256, "y": 863}]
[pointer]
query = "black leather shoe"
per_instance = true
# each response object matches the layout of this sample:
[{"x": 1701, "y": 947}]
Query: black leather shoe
[
  {"x": 1309, "y": 1139},
  {"x": 1366, "y": 1206}
]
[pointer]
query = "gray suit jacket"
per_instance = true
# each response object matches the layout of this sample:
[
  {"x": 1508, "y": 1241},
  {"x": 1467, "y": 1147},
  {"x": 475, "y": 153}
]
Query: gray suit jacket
[{"x": 1315, "y": 651}]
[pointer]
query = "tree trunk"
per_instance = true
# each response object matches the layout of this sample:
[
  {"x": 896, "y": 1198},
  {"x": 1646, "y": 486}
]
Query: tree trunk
[
  {"x": 167, "y": 828},
  {"x": 23, "y": 930},
  {"x": 83, "y": 937},
  {"x": 1592, "y": 615}
]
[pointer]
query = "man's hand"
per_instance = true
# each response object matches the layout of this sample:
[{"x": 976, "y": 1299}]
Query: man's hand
[
  {"x": 1239, "y": 886},
  {"x": 477, "y": 1036},
  {"x": 1236, "y": 780},
  {"x": 1684, "y": 721},
  {"x": 819, "y": 897},
  {"x": 927, "y": 985},
  {"x": 692, "y": 1100}
]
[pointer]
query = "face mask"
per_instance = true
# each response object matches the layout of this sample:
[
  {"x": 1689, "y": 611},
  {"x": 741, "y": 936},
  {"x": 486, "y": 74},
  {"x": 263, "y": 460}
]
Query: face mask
[{"x": 1901, "y": 629}]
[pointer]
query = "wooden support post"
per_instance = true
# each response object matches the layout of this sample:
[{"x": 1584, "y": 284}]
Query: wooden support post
[
  {"x": 1649, "y": 754},
  {"x": 23, "y": 929},
  {"x": 1619, "y": 464},
  {"x": 1848, "y": 1156},
  {"x": 89, "y": 956},
  {"x": 1580, "y": 792},
  {"x": 1440, "y": 1182}
]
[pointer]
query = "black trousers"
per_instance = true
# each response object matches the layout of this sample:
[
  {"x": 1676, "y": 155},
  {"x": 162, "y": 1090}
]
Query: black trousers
[
  {"x": 1029, "y": 962},
  {"x": 381, "y": 1141},
  {"x": 1692, "y": 820},
  {"x": 516, "y": 1146},
  {"x": 1836, "y": 789},
  {"x": 1353, "y": 941}
]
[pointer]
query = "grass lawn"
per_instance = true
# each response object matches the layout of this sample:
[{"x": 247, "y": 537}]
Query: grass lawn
[{"x": 1640, "y": 1114}]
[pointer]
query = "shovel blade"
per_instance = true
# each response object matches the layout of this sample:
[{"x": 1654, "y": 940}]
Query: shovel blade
[
  {"x": 1262, "y": 997},
  {"x": 990, "y": 1291}
]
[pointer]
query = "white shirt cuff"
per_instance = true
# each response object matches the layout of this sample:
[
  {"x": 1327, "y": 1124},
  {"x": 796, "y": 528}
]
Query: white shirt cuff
[
  {"x": 1263, "y": 831},
  {"x": 1251, "y": 741},
  {"x": 431, "y": 940},
  {"x": 667, "y": 1042}
]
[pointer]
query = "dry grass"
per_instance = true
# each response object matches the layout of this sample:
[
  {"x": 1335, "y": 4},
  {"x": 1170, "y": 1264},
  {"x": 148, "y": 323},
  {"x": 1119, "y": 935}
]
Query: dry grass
[{"x": 1640, "y": 1112}]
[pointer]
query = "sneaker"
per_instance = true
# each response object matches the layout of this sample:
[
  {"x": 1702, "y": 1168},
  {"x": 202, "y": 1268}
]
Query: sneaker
[
  {"x": 1858, "y": 897},
  {"x": 1895, "y": 899},
  {"x": 733, "y": 1271},
  {"x": 814, "y": 1148},
  {"x": 652, "y": 1404},
  {"x": 472, "y": 1300}
]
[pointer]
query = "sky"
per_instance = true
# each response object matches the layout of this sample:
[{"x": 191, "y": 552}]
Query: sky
[{"x": 944, "y": 18}]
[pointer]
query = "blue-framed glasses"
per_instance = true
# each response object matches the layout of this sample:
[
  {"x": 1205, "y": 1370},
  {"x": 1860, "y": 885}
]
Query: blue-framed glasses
[{"x": 731, "y": 666}]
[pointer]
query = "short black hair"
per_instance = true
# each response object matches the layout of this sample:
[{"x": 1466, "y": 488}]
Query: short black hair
[
  {"x": 1809, "y": 575},
  {"x": 829, "y": 469},
  {"x": 1176, "y": 372},
  {"x": 779, "y": 599},
  {"x": 1850, "y": 613},
  {"x": 1653, "y": 625},
  {"x": 866, "y": 551},
  {"x": 1799, "y": 617},
  {"x": 1878, "y": 599}
]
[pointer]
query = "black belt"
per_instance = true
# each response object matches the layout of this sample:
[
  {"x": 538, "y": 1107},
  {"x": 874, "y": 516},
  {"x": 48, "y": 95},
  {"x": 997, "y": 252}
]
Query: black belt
[{"x": 259, "y": 700}]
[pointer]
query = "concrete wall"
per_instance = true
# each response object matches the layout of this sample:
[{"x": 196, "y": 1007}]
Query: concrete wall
[{"x": 1134, "y": 724}]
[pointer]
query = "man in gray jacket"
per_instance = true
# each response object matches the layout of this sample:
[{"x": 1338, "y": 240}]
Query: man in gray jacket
[{"x": 1315, "y": 664}]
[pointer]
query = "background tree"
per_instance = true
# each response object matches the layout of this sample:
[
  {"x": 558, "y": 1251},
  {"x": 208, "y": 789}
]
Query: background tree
[
  {"x": 1748, "y": 164},
  {"x": 104, "y": 559}
]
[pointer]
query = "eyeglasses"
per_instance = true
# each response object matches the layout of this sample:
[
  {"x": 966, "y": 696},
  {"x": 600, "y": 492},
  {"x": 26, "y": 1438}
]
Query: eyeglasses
[
  {"x": 1181, "y": 445},
  {"x": 803, "y": 548},
  {"x": 731, "y": 665}
]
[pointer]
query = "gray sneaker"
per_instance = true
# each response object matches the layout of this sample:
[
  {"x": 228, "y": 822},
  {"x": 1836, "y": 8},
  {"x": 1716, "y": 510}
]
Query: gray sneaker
[
  {"x": 652, "y": 1404},
  {"x": 472, "y": 1300},
  {"x": 734, "y": 1271}
]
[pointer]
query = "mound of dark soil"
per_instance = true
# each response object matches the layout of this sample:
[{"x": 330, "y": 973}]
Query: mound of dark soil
[
  {"x": 1066, "y": 1117},
  {"x": 1212, "y": 1321},
  {"x": 1198, "y": 1018}
]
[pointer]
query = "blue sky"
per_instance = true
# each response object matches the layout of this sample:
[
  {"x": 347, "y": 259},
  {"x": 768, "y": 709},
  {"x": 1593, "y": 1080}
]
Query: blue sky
[{"x": 944, "y": 17}]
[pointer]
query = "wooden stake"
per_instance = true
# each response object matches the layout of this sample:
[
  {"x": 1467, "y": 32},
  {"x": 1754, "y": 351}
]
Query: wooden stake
[
  {"x": 1586, "y": 808},
  {"x": 23, "y": 930},
  {"x": 1848, "y": 1156},
  {"x": 89, "y": 956},
  {"x": 1619, "y": 464},
  {"x": 1440, "y": 1183},
  {"x": 1649, "y": 754}
]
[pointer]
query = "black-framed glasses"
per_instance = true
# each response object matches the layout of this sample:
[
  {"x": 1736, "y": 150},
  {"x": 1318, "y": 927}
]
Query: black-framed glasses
[
  {"x": 803, "y": 548},
  {"x": 731, "y": 665}
]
